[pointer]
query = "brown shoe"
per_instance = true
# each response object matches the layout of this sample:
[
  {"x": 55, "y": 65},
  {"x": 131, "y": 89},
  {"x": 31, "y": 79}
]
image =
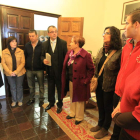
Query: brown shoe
[
  {"x": 102, "y": 133},
  {"x": 13, "y": 104},
  {"x": 95, "y": 129}
]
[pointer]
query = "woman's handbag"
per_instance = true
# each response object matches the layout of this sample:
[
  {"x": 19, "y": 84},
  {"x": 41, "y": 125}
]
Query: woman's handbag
[
  {"x": 94, "y": 80},
  {"x": 93, "y": 84}
]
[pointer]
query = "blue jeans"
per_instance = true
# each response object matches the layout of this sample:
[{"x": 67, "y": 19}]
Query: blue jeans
[
  {"x": 16, "y": 87},
  {"x": 31, "y": 83}
]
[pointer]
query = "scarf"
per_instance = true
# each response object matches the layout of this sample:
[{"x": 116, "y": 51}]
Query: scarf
[
  {"x": 72, "y": 56},
  {"x": 14, "y": 63}
]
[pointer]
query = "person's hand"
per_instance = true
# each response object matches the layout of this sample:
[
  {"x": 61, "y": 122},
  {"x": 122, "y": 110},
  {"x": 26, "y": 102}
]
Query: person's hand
[
  {"x": 13, "y": 74},
  {"x": 45, "y": 61},
  {"x": 116, "y": 110}
]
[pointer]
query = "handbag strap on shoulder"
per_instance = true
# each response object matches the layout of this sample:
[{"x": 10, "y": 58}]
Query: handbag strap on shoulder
[{"x": 106, "y": 61}]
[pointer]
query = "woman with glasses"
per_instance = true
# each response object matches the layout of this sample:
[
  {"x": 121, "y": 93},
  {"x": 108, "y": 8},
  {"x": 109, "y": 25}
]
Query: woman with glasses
[
  {"x": 107, "y": 79},
  {"x": 13, "y": 62}
]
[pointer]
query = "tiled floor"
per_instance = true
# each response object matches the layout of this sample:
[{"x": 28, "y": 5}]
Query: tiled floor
[{"x": 28, "y": 122}]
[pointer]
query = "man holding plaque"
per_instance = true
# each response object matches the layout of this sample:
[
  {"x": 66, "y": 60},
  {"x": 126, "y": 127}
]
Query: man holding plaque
[{"x": 57, "y": 48}]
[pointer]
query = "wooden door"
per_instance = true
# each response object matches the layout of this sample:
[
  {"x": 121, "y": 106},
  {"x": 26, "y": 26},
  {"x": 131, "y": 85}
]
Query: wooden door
[
  {"x": 16, "y": 22},
  {"x": 69, "y": 26}
]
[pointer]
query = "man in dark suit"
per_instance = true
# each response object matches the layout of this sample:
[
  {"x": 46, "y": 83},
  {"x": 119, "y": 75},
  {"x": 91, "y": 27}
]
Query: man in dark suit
[{"x": 57, "y": 48}]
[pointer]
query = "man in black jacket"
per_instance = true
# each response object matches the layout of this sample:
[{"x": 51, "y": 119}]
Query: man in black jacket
[
  {"x": 34, "y": 66},
  {"x": 57, "y": 48}
]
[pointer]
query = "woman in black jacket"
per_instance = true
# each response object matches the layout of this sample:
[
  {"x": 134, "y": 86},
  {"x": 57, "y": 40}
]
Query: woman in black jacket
[
  {"x": 1, "y": 82},
  {"x": 106, "y": 81}
]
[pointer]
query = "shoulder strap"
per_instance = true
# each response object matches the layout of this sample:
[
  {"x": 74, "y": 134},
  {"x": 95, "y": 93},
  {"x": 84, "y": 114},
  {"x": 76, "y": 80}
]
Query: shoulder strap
[{"x": 106, "y": 61}]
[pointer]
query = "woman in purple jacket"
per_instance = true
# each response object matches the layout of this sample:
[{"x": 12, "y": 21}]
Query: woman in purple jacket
[{"x": 78, "y": 70}]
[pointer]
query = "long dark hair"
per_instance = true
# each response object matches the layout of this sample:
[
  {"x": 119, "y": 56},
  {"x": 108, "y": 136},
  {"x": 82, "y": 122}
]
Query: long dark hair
[
  {"x": 9, "y": 39},
  {"x": 115, "y": 41}
]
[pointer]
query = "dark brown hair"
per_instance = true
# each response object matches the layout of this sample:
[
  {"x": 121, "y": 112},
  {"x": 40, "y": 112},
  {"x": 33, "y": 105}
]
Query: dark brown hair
[
  {"x": 50, "y": 27},
  {"x": 135, "y": 16},
  {"x": 115, "y": 41},
  {"x": 9, "y": 39},
  {"x": 33, "y": 31},
  {"x": 80, "y": 40}
]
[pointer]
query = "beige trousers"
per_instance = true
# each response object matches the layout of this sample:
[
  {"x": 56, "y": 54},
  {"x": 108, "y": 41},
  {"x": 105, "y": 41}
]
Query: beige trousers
[{"x": 76, "y": 108}]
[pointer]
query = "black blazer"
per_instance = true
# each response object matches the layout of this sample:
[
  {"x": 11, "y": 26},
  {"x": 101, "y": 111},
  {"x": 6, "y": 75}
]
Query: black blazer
[
  {"x": 62, "y": 50},
  {"x": 1, "y": 81}
]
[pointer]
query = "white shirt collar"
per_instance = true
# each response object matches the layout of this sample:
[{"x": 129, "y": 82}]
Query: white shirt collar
[{"x": 53, "y": 41}]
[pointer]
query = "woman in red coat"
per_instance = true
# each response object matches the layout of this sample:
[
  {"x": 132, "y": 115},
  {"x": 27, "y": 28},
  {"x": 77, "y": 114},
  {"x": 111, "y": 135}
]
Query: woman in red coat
[{"x": 78, "y": 70}]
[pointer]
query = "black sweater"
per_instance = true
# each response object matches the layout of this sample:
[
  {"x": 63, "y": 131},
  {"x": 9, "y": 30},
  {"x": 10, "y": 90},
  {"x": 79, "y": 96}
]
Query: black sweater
[{"x": 33, "y": 57}]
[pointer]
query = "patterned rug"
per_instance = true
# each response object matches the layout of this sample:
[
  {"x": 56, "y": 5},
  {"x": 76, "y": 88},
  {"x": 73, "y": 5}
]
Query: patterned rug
[{"x": 77, "y": 132}]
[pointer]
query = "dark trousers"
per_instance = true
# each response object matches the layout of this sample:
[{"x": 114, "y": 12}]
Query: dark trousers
[
  {"x": 1, "y": 81},
  {"x": 31, "y": 83},
  {"x": 16, "y": 87},
  {"x": 117, "y": 129},
  {"x": 125, "y": 136},
  {"x": 52, "y": 82},
  {"x": 105, "y": 107}
]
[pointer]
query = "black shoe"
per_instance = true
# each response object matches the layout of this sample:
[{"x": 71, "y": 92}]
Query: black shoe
[
  {"x": 48, "y": 107},
  {"x": 69, "y": 117},
  {"x": 0, "y": 106},
  {"x": 77, "y": 122},
  {"x": 41, "y": 103},
  {"x": 30, "y": 102},
  {"x": 59, "y": 110}
]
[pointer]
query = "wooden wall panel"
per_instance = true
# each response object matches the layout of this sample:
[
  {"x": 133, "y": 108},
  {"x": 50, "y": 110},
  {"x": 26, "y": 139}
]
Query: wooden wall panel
[
  {"x": 16, "y": 22},
  {"x": 12, "y": 21},
  {"x": 20, "y": 39},
  {"x": 65, "y": 26},
  {"x": 25, "y": 22},
  {"x": 69, "y": 27},
  {"x": 75, "y": 26},
  {"x": 26, "y": 38}
]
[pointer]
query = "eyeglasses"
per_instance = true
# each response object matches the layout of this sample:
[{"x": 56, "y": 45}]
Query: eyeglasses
[
  {"x": 106, "y": 33},
  {"x": 53, "y": 32}
]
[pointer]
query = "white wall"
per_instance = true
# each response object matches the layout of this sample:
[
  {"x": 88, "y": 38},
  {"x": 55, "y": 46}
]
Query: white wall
[{"x": 113, "y": 13}]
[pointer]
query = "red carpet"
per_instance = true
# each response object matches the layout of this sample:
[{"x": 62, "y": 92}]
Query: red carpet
[{"x": 76, "y": 132}]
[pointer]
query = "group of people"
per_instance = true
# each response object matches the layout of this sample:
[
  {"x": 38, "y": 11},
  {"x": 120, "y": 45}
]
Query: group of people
[{"x": 118, "y": 84}]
